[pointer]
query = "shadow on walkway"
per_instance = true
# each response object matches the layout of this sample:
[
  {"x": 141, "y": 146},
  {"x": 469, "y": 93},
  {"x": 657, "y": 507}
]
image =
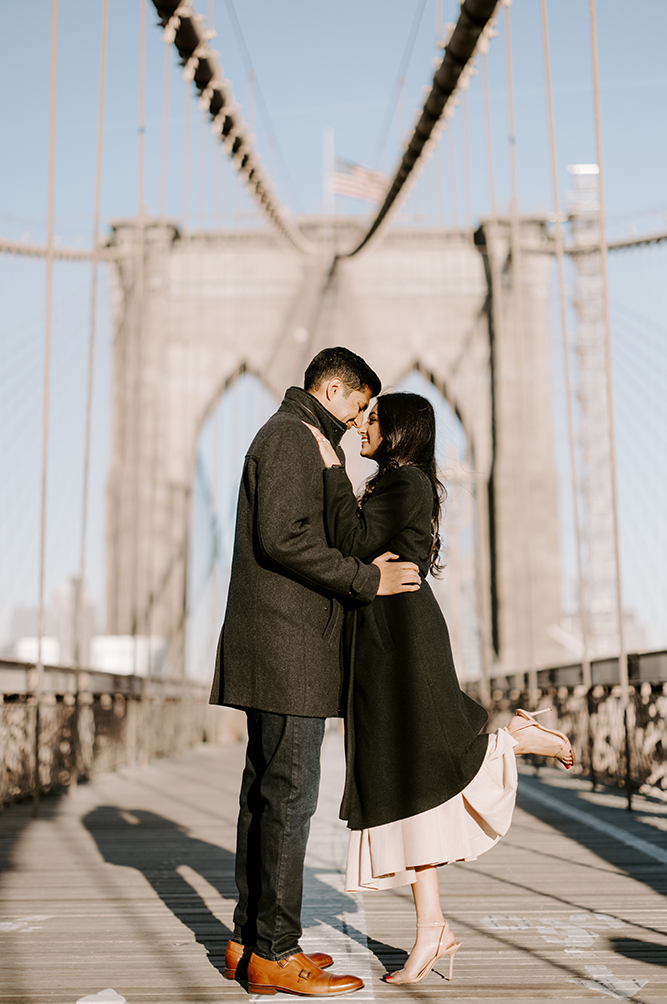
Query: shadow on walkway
[
  {"x": 157, "y": 846},
  {"x": 16, "y": 817},
  {"x": 632, "y": 861},
  {"x": 641, "y": 951}
]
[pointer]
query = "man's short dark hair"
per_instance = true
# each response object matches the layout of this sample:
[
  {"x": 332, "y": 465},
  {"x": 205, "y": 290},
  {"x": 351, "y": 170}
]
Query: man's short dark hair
[{"x": 354, "y": 371}]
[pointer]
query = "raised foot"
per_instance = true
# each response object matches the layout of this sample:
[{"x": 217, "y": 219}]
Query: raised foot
[{"x": 531, "y": 737}]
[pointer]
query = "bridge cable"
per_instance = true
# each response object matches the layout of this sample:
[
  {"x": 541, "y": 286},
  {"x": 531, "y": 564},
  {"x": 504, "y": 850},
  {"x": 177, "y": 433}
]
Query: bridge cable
[
  {"x": 158, "y": 404},
  {"x": 48, "y": 311},
  {"x": 186, "y": 30},
  {"x": 187, "y": 154},
  {"x": 164, "y": 165},
  {"x": 138, "y": 297},
  {"x": 91, "y": 334},
  {"x": 622, "y": 654},
  {"x": 518, "y": 310},
  {"x": 214, "y": 587},
  {"x": 80, "y": 585},
  {"x": 465, "y": 136},
  {"x": 453, "y": 191},
  {"x": 560, "y": 258},
  {"x": 201, "y": 175},
  {"x": 488, "y": 135},
  {"x": 406, "y": 59},
  {"x": 496, "y": 319},
  {"x": 257, "y": 95},
  {"x": 473, "y": 27}
]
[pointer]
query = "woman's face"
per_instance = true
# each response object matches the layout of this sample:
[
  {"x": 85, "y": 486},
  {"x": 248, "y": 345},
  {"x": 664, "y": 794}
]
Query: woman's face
[{"x": 371, "y": 437}]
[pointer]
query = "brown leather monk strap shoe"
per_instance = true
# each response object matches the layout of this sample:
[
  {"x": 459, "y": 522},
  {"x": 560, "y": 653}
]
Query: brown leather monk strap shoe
[
  {"x": 237, "y": 957},
  {"x": 298, "y": 975}
]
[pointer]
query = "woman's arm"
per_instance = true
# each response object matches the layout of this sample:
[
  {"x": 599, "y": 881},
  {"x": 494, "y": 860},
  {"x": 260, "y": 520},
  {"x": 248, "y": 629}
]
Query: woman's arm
[
  {"x": 385, "y": 513},
  {"x": 395, "y": 500}
]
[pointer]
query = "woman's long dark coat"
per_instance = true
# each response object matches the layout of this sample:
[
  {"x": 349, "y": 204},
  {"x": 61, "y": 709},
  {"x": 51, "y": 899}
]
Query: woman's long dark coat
[{"x": 412, "y": 734}]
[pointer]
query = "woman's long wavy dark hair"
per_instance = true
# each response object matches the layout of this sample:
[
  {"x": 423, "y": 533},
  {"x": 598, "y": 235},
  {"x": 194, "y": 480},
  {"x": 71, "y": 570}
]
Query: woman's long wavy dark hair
[{"x": 407, "y": 425}]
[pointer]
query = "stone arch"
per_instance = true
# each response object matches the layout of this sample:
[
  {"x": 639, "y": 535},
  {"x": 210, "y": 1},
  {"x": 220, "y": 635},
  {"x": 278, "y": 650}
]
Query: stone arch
[{"x": 215, "y": 302}]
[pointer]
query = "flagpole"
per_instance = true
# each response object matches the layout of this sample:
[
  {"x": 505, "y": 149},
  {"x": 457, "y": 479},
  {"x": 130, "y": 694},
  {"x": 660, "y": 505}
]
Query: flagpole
[{"x": 329, "y": 166}]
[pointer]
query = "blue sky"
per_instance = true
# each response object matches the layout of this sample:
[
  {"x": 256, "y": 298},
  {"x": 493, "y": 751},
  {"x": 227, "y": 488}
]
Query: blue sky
[
  {"x": 328, "y": 65},
  {"x": 318, "y": 66}
]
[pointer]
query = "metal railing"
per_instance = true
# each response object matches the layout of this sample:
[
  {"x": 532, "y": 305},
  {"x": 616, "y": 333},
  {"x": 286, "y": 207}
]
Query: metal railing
[
  {"x": 93, "y": 722},
  {"x": 624, "y": 749}
]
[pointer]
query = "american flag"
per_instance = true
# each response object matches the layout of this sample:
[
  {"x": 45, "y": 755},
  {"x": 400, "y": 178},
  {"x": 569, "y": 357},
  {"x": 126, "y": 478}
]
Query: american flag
[{"x": 358, "y": 182}]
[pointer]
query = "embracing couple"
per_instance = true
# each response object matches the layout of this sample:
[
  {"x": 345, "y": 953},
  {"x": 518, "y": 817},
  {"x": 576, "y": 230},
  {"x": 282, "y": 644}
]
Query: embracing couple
[{"x": 329, "y": 613}]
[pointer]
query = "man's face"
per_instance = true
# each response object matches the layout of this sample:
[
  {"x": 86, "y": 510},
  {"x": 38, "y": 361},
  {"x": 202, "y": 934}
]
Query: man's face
[{"x": 347, "y": 407}]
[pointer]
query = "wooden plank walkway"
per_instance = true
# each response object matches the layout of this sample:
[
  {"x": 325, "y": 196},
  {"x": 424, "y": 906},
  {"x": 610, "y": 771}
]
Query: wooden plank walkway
[{"x": 129, "y": 886}]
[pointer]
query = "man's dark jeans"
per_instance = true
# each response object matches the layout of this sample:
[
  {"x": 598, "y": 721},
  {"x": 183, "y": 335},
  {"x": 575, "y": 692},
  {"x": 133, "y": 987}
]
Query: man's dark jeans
[{"x": 278, "y": 798}]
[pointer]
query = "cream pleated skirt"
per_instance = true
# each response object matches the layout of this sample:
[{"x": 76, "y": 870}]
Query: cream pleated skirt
[{"x": 458, "y": 830}]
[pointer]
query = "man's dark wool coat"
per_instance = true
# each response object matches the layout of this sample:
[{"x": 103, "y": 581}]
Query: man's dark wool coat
[
  {"x": 412, "y": 735},
  {"x": 279, "y": 648}
]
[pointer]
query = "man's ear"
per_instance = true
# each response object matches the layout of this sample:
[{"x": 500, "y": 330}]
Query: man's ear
[{"x": 333, "y": 387}]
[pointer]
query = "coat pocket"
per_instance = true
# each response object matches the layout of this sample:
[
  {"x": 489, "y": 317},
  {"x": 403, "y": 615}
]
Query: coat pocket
[{"x": 334, "y": 621}]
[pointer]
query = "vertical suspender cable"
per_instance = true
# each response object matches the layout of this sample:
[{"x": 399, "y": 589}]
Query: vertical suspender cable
[
  {"x": 138, "y": 322},
  {"x": 79, "y": 595},
  {"x": 141, "y": 125},
  {"x": 157, "y": 401},
  {"x": 91, "y": 329},
  {"x": 488, "y": 134},
  {"x": 451, "y": 157},
  {"x": 622, "y": 654},
  {"x": 48, "y": 310},
  {"x": 438, "y": 184},
  {"x": 486, "y": 615},
  {"x": 164, "y": 165},
  {"x": 558, "y": 234},
  {"x": 140, "y": 427},
  {"x": 201, "y": 179},
  {"x": 187, "y": 154},
  {"x": 465, "y": 135},
  {"x": 520, "y": 332}
]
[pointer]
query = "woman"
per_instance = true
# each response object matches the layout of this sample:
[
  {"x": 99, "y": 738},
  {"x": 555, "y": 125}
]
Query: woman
[{"x": 423, "y": 787}]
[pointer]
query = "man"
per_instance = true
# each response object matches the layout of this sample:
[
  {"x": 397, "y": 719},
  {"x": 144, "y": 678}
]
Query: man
[{"x": 279, "y": 660}]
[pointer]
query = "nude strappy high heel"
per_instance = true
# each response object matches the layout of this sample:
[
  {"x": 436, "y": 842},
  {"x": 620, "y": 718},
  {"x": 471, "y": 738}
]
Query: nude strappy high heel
[
  {"x": 400, "y": 977},
  {"x": 564, "y": 753}
]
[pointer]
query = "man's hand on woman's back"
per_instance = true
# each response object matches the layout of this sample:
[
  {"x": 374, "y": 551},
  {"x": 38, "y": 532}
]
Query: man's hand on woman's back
[{"x": 396, "y": 576}]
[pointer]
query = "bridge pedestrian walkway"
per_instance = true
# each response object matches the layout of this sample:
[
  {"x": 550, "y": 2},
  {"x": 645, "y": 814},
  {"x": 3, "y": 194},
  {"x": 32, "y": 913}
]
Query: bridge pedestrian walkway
[{"x": 128, "y": 887}]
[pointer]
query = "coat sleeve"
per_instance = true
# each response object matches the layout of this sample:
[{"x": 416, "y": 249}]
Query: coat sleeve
[
  {"x": 395, "y": 500},
  {"x": 290, "y": 527}
]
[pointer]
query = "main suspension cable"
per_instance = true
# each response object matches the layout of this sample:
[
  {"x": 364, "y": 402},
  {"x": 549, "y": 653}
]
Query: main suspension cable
[
  {"x": 186, "y": 30},
  {"x": 473, "y": 26}
]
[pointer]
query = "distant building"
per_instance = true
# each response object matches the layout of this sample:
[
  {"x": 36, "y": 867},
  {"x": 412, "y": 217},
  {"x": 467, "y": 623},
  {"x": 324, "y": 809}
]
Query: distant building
[
  {"x": 59, "y": 628},
  {"x": 128, "y": 655}
]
